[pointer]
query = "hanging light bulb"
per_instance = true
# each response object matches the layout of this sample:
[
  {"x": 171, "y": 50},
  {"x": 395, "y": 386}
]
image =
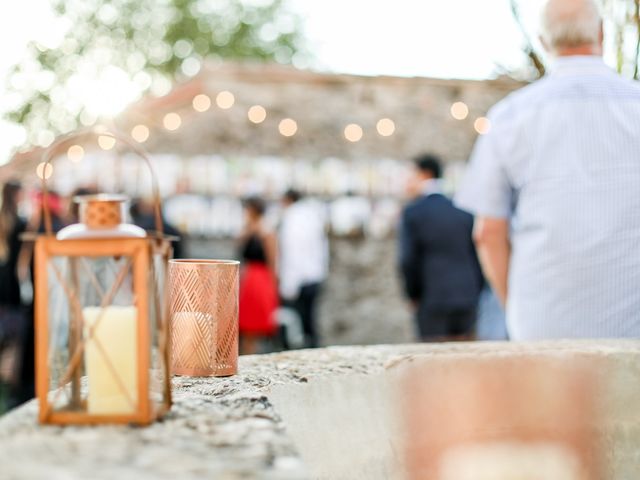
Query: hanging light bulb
[
  {"x": 201, "y": 103},
  {"x": 140, "y": 133},
  {"x": 225, "y": 100},
  {"x": 353, "y": 132},
  {"x": 106, "y": 142},
  {"x": 482, "y": 125},
  {"x": 172, "y": 121},
  {"x": 75, "y": 153},
  {"x": 288, "y": 127},
  {"x": 257, "y": 114},
  {"x": 44, "y": 171},
  {"x": 386, "y": 127},
  {"x": 459, "y": 110}
]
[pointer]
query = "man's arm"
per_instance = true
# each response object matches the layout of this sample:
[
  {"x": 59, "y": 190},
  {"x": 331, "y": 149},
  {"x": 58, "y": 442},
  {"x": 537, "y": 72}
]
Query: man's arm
[
  {"x": 491, "y": 236},
  {"x": 410, "y": 260}
]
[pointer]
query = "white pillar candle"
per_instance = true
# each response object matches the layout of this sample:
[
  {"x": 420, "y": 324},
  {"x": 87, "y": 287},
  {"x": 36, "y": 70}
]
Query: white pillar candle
[{"x": 117, "y": 335}]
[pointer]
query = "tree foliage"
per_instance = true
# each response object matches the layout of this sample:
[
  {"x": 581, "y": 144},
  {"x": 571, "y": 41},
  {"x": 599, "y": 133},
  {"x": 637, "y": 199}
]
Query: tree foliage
[
  {"x": 124, "y": 48},
  {"x": 624, "y": 22},
  {"x": 529, "y": 49}
]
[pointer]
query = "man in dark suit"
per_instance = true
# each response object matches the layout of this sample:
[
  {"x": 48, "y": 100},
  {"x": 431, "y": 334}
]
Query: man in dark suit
[{"x": 441, "y": 273}]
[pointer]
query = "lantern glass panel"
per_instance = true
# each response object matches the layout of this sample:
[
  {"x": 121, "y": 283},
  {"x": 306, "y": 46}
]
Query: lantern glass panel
[
  {"x": 92, "y": 323},
  {"x": 159, "y": 364}
]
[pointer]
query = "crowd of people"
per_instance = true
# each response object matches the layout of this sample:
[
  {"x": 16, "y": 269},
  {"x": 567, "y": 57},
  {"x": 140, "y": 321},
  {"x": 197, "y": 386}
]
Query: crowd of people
[{"x": 283, "y": 272}]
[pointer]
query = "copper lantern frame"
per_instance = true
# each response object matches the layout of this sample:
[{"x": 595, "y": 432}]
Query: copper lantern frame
[{"x": 138, "y": 260}]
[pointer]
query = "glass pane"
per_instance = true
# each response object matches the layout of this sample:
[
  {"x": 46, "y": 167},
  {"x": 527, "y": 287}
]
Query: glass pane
[
  {"x": 158, "y": 368},
  {"x": 93, "y": 335},
  {"x": 59, "y": 315}
]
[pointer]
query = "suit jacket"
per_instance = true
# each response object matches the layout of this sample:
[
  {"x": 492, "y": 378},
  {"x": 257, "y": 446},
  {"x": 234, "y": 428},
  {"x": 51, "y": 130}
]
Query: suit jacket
[{"x": 437, "y": 256}]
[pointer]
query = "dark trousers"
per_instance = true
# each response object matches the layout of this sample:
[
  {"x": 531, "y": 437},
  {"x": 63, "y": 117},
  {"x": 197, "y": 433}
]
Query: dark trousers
[
  {"x": 26, "y": 388},
  {"x": 450, "y": 323},
  {"x": 305, "y": 305}
]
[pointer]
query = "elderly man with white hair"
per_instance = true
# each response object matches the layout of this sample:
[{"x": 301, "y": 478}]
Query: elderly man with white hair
[{"x": 555, "y": 188}]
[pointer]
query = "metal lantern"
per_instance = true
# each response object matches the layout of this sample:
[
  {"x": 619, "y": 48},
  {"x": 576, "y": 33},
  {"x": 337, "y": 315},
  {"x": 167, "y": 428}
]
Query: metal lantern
[{"x": 101, "y": 316}]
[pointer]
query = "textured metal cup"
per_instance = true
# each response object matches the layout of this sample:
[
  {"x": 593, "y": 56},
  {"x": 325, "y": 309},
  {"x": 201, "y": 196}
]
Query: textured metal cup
[{"x": 203, "y": 295}]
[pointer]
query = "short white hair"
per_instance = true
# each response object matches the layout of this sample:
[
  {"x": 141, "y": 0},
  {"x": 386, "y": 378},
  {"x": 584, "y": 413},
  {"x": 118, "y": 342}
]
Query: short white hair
[{"x": 571, "y": 23}]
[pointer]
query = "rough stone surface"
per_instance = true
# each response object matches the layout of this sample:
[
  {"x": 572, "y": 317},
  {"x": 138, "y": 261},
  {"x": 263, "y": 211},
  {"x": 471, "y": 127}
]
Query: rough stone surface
[
  {"x": 218, "y": 428},
  {"x": 229, "y": 428}
]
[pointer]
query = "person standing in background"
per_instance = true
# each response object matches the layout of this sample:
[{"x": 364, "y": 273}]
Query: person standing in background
[
  {"x": 36, "y": 224},
  {"x": 13, "y": 317},
  {"x": 11, "y": 227},
  {"x": 142, "y": 212},
  {"x": 258, "y": 287},
  {"x": 304, "y": 259},
  {"x": 555, "y": 187},
  {"x": 441, "y": 273}
]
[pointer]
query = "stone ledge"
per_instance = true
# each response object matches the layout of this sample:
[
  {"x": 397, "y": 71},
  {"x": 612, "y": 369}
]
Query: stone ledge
[{"x": 222, "y": 428}]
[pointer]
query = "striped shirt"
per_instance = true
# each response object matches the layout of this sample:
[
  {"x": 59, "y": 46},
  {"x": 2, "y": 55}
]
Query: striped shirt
[{"x": 562, "y": 162}]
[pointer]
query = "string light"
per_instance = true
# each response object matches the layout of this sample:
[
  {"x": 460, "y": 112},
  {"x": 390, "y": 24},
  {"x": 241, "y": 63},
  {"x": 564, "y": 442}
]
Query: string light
[
  {"x": 257, "y": 114},
  {"x": 140, "y": 133},
  {"x": 225, "y": 100},
  {"x": 459, "y": 110},
  {"x": 201, "y": 103},
  {"x": 75, "y": 153},
  {"x": 106, "y": 142},
  {"x": 288, "y": 127},
  {"x": 44, "y": 171},
  {"x": 172, "y": 121},
  {"x": 353, "y": 132},
  {"x": 482, "y": 125},
  {"x": 386, "y": 127}
]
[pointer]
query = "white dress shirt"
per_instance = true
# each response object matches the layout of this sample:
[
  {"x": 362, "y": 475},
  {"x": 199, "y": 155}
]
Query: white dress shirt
[
  {"x": 432, "y": 186},
  {"x": 562, "y": 162},
  {"x": 304, "y": 248}
]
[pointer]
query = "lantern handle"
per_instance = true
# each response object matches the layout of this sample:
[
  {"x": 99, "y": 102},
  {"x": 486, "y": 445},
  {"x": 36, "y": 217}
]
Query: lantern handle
[{"x": 47, "y": 158}]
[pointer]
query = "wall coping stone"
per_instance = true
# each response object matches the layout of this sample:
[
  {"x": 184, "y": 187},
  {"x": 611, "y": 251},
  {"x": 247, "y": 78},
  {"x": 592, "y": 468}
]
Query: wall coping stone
[{"x": 224, "y": 428}]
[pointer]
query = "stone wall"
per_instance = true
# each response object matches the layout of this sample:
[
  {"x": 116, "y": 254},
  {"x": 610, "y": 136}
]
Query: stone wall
[
  {"x": 321, "y": 104},
  {"x": 322, "y": 414},
  {"x": 362, "y": 302}
]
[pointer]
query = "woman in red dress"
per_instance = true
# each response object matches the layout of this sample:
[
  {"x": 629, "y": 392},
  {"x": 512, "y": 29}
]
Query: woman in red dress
[{"x": 258, "y": 288}]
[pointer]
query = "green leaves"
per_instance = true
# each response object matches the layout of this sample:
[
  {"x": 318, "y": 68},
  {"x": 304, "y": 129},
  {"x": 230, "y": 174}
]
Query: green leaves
[{"x": 122, "y": 49}]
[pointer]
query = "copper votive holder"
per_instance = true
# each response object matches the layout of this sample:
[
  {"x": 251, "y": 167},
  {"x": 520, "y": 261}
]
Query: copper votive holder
[
  {"x": 102, "y": 211},
  {"x": 489, "y": 415},
  {"x": 203, "y": 295}
]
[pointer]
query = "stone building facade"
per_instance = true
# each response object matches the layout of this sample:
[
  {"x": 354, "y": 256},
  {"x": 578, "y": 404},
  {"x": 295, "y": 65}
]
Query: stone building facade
[{"x": 322, "y": 106}]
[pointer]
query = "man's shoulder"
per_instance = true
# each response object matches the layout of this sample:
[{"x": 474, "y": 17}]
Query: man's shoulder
[
  {"x": 548, "y": 88},
  {"x": 427, "y": 203},
  {"x": 414, "y": 206},
  {"x": 524, "y": 96}
]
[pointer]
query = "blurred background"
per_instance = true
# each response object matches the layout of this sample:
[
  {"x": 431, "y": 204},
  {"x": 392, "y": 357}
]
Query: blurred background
[{"x": 234, "y": 98}]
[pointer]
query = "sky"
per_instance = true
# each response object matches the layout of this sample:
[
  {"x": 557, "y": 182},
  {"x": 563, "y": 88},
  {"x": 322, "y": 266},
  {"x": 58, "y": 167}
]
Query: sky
[{"x": 436, "y": 38}]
